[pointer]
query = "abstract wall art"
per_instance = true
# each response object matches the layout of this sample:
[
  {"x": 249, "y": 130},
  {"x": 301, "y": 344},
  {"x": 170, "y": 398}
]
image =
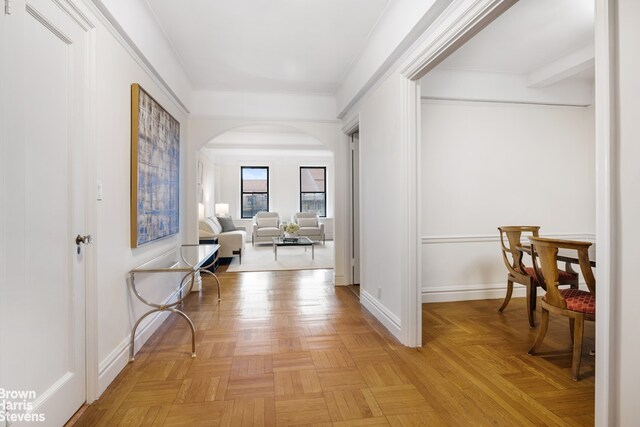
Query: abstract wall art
[{"x": 155, "y": 170}]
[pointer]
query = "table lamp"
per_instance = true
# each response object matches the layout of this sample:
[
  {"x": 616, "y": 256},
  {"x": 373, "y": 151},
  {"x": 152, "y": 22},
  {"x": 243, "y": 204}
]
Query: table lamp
[{"x": 222, "y": 209}]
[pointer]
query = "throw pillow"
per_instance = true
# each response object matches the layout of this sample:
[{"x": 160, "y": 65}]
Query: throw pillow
[
  {"x": 307, "y": 222},
  {"x": 267, "y": 222},
  {"x": 226, "y": 223}
]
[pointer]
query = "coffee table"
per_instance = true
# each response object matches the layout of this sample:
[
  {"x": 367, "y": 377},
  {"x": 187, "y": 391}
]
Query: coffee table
[{"x": 301, "y": 241}]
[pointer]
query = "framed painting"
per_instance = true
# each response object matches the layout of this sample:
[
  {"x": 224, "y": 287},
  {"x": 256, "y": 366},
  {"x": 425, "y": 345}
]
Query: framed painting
[{"x": 155, "y": 170}]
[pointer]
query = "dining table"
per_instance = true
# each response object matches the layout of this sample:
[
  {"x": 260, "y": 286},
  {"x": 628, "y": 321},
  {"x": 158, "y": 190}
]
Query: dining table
[{"x": 566, "y": 255}]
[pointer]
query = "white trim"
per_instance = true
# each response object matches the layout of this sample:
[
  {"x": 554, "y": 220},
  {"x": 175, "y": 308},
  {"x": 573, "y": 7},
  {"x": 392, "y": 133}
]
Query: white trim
[
  {"x": 116, "y": 361},
  {"x": 112, "y": 25},
  {"x": 71, "y": 9},
  {"x": 352, "y": 125},
  {"x": 606, "y": 143},
  {"x": 452, "y": 293},
  {"x": 348, "y": 130},
  {"x": 425, "y": 23},
  {"x": 411, "y": 255},
  {"x": 91, "y": 219},
  {"x": 476, "y": 16},
  {"x": 339, "y": 280},
  {"x": 494, "y": 238},
  {"x": 380, "y": 312},
  {"x": 435, "y": 99},
  {"x": 468, "y": 292}
]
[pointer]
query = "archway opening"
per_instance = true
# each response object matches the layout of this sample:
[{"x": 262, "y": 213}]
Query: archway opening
[{"x": 280, "y": 169}]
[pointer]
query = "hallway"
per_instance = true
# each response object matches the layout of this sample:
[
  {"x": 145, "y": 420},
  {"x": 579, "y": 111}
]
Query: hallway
[{"x": 289, "y": 348}]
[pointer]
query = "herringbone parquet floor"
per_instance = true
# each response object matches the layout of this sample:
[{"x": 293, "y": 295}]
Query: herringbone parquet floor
[{"x": 288, "y": 348}]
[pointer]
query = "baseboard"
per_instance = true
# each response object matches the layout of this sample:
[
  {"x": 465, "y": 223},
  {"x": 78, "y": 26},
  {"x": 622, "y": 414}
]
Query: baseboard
[
  {"x": 380, "y": 312},
  {"x": 468, "y": 292},
  {"x": 339, "y": 280},
  {"x": 474, "y": 292},
  {"x": 116, "y": 361}
]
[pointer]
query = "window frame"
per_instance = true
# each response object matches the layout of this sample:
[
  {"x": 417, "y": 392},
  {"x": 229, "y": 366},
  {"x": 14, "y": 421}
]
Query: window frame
[
  {"x": 242, "y": 192},
  {"x": 324, "y": 169}
]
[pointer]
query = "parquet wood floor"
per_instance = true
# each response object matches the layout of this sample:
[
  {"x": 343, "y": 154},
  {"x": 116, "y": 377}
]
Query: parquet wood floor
[{"x": 288, "y": 348}]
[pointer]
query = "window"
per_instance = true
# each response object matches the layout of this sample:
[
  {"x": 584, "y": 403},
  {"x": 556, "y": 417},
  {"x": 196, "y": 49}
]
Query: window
[
  {"x": 254, "y": 189},
  {"x": 313, "y": 189}
]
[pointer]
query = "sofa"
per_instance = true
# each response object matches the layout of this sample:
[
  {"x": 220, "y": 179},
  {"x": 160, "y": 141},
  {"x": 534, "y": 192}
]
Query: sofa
[
  {"x": 231, "y": 242},
  {"x": 310, "y": 225},
  {"x": 266, "y": 226}
]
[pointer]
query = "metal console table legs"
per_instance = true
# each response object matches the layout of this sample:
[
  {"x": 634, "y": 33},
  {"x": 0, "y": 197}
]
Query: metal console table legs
[{"x": 188, "y": 259}]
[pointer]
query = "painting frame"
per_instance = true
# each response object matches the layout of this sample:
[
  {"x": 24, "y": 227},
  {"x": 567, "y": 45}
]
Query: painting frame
[{"x": 155, "y": 170}]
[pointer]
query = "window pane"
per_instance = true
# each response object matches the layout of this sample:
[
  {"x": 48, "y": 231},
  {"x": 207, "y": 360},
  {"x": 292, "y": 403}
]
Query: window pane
[
  {"x": 254, "y": 179},
  {"x": 314, "y": 202},
  {"x": 312, "y": 179},
  {"x": 253, "y": 203}
]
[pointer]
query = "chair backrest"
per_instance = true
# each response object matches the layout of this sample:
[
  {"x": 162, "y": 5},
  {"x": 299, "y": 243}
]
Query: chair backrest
[
  {"x": 511, "y": 255},
  {"x": 306, "y": 215},
  {"x": 547, "y": 251},
  {"x": 266, "y": 215},
  {"x": 210, "y": 225}
]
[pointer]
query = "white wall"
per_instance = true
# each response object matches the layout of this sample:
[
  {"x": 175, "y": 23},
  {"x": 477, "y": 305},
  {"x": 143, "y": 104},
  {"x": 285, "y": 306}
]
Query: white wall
[
  {"x": 444, "y": 83},
  {"x": 626, "y": 316},
  {"x": 207, "y": 184},
  {"x": 479, "y": 172},
  {"x": 136, "y": 21},
  {"x": 117, "y": 308},
  {"x": 380, "y": 196},
  {"x": 263, "y": 105}
]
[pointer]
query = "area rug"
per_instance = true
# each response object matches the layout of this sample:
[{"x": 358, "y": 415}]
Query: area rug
[{"x": 260, "y": 258}]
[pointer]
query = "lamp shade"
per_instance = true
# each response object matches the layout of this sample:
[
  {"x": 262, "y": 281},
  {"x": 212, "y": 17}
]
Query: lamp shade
[
  {"x": 222, "y": 209},
  {"x": 200, "y": 210}
]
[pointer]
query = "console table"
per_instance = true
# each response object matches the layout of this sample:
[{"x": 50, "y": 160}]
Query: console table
[{"x": 188, "y": 259}]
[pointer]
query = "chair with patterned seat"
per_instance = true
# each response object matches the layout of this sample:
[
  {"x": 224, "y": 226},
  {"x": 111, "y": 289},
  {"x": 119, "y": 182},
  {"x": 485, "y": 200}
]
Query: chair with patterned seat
[
  {"x": 518, "y": 273},
  {"x": 575, "y": 304}
]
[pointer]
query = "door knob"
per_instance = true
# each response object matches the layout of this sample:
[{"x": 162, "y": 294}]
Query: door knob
[{"x": 83, "y": 239}]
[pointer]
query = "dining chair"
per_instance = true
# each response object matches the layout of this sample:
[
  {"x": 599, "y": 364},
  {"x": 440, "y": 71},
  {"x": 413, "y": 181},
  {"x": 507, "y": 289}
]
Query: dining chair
[
  {"x": 575, "y": 304},
  {"x": 518, "y": 273}
]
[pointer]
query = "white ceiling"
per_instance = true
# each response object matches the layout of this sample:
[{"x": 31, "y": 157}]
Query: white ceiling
[
  {"x": 528, "y": 36},
  {"x": 267, "y": 45}
]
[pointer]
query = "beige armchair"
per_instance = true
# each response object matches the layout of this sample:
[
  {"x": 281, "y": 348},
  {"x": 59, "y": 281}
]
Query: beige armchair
[
  {"x": 310, "y": 225},
  {"x": 266, "y": 226},
  {"x": 231, "y": 242}
]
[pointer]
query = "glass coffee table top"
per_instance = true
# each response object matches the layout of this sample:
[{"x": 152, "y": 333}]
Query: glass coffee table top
[{"x": 295, "y": 241}]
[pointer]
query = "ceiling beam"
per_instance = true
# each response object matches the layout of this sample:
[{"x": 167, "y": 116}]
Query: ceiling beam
[{"x": 565, "y": 67}]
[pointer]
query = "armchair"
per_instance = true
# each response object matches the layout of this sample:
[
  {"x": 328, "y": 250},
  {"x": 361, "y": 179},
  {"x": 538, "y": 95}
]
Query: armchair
[
  {"x": 517, "y": 272},
  {"x": 310, "y": 225},
  {"x": 575, "y": 304},
  {"x": 266, "y": 226}
]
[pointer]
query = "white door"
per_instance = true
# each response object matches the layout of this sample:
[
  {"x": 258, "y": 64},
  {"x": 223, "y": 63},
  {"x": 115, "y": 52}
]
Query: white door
[
  {"x": 42, "y": 312},
  {"x": 355, "y": 208}
]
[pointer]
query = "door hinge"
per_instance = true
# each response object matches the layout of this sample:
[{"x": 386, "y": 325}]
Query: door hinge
[{"x": 7, "y": 7}]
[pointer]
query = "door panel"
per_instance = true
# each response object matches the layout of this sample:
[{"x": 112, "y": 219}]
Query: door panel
[{"x": 43, "y": 152}]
